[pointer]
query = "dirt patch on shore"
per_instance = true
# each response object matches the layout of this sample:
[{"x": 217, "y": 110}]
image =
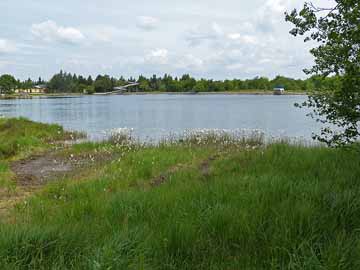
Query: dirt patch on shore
[
  {"x": 32, "y": 173},
  {"x": 38, "y": 170}
]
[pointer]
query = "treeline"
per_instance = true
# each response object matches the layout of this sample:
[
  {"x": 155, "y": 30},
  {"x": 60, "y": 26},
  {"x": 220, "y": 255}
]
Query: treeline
[
  {"x": 64, "y": 82},
  {"x": 9, "y": 84}
]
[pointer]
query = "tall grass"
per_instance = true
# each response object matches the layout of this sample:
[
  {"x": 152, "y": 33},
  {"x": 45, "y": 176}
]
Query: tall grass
[
  {"x": 22, "y": 136},
  {"x": 6, "y": 177},
  {"x": 271, "y": 207},
  {"x": 207, "y": 200}
]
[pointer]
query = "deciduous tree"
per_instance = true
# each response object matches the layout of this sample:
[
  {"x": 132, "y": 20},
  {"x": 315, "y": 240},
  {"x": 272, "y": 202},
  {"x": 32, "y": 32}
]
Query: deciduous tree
[
  {"x": 337, "y": 31},
  {"x": 7, "y": 83}
]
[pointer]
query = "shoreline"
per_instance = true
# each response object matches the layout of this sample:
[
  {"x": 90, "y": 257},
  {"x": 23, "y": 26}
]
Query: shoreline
[
  {"x": 59, "y": 95},
  {"x": 255, "y": 93}
]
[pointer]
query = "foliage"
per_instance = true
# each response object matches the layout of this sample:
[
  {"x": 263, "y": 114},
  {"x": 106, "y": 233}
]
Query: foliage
[
  {"x": 338, "y": 32},
  {"x": 7, "y": 83},
  {"x": 71, "y": 83},
  {"x": 103, "y": 84},
  {"x": 68, "y": 83},
  {"x": 89, "y": 89}
]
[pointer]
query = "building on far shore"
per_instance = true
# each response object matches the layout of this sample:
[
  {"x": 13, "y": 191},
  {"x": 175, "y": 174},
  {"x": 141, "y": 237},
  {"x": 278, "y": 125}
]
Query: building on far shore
[
  {"x": 279, "y": 90},
  {"x": 120, "y": 89},
  {"x": 37, "y": 89}
]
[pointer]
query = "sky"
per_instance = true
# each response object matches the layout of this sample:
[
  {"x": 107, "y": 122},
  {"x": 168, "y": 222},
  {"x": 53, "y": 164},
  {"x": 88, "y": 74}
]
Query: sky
[{"x": 205, "y": 38}]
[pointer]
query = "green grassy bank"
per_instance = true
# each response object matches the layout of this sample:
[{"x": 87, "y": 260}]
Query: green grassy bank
[
  {"x": 20, "y": 138},
  {"x": 202, "y": 203}
]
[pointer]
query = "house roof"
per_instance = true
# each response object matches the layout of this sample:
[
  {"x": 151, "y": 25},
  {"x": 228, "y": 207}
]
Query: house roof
[
  {"x": 40, "y": 86},
  {"x": 117, "y": 88}
]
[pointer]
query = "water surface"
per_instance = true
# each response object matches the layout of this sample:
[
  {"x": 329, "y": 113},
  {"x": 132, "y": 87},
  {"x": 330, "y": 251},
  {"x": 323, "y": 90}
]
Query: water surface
[{"x": 155, "y": 116}]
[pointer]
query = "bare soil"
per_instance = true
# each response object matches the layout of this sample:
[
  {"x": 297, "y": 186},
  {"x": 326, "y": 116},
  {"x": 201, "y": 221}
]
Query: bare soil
[
  {"x": 32, "y": 173},
  {"x": 38, "y": 170}
]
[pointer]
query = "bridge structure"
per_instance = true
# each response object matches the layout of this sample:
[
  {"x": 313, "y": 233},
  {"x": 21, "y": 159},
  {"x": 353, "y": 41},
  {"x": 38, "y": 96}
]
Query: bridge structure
[{"x": 119, "y": 89}]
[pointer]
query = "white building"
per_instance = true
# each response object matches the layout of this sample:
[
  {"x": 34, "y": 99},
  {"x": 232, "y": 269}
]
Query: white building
[
  {"x": 38, "y": 89},
  {"x": 279, "y": 90}
]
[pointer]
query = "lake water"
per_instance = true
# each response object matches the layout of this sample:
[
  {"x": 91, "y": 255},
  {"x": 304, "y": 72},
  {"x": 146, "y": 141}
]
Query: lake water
[{"x": 155, "y": 116}]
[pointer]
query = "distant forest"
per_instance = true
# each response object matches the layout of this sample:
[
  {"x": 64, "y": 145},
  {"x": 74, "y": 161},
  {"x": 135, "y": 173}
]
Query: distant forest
[{"x": 64, "y": 82}]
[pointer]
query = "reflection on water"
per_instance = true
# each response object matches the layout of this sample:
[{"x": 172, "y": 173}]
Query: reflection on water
[{"x": 153, "y": 116}]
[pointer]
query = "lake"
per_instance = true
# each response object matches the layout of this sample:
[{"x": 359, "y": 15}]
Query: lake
[{"x": 155, "y": 116}]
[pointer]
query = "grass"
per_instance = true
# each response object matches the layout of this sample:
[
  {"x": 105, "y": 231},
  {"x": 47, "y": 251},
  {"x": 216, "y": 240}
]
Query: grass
[
  {"x": 5, "y": 176},
  {"x": 20, "y": 136},
  {"x": 194, "y": 204}
]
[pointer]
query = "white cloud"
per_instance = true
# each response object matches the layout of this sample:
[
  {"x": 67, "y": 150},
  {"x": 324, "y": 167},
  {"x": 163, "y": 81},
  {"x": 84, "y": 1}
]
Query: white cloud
[
  {"x": 247, "y": 39},
  {"x": 271, "y": 15},
  {"x": 162, "y": 53},
  {"x": 218, "y": 37},
  {"x": 217, "y": 29},
  {"x": 203, "y": 33},
  {"x": 235, "y": 66},
  {"x": 157, "y": 56},
  {"x": 190, "y": 61},
  {"x": 49, "y": 31},
  {"x": 234, "y": 36},
  {"x": 277, "y": 6},
  {"x": 7, "y": 46},
  {"x": 147, "y": 23}
]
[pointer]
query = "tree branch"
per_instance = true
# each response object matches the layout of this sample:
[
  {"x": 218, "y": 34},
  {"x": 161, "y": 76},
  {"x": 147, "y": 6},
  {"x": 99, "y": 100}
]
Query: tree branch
[{"x": 320, "y": 9}]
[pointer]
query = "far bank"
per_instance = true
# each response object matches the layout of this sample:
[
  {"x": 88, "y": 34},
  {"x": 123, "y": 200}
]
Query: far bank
[{"x": 240, "y": 92}]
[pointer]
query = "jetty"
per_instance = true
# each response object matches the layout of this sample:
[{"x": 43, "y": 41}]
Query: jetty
[{"x": 119, "y": 89}]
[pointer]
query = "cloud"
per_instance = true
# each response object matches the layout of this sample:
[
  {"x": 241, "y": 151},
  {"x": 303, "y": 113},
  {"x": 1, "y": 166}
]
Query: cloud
[
  {"x": 158, "y": 56},
  {"x": 235, "y": 66},
  {"x": 49, "y": 31},
  {"x": 217, "y": 37},
  {"x": 215, "y": 41},
  {"x": 258, "y": 45},
  {"x": 245, "y": 39},
  {"x": 103, "y": 33},
  {"x": 276, "y": 6},
  {"x": 271, "y": 15},
  {"x": 234, "y": 36},
  {"x": 189, "y": 61},
  {"x": 147, "y": 23},
  {"x": 7, "y": 46},
  {"x": 201, "y": 34}
]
